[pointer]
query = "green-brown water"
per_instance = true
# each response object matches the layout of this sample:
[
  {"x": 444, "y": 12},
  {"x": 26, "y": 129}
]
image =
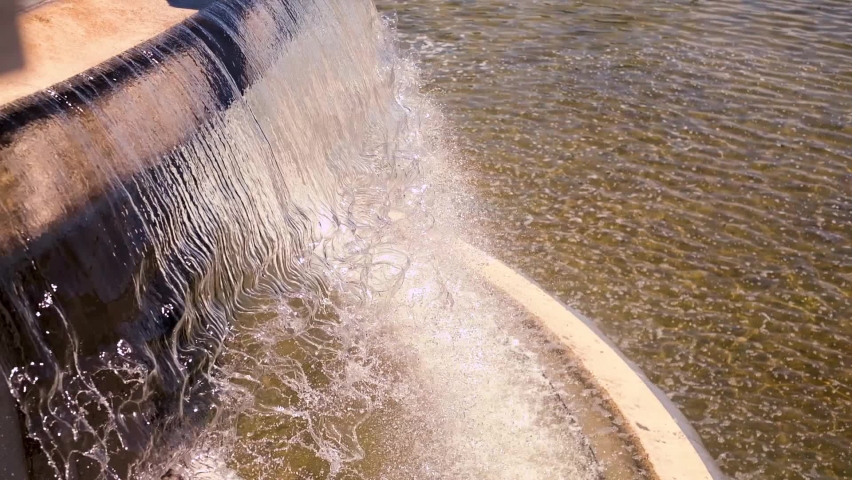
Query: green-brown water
[{"x": 680, "y": 171}]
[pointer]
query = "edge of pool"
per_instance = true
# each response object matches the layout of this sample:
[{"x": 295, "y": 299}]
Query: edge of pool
[{"x": 670, "y": 445}]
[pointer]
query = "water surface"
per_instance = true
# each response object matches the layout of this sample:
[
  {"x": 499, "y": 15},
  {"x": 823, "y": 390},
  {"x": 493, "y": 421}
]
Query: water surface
[{"x": 679, "y": 171}]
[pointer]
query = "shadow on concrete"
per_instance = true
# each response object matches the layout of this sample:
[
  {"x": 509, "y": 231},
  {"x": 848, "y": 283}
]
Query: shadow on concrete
[
  {"x": 191, "y": 4},
  {"x": 11, "y": 56}
]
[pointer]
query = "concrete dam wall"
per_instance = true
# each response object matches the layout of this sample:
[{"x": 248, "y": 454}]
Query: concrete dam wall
[{"x": 127, "y": 187}]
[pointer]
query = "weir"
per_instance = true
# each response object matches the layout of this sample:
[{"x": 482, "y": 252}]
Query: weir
[{"x": 228, "y": 251}]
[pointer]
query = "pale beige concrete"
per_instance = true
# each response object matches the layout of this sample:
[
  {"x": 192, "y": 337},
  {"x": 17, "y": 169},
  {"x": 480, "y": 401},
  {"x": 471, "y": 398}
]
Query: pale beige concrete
[
  {"x": 668, "y": 450},
  {"x": 66, "y": 37}
]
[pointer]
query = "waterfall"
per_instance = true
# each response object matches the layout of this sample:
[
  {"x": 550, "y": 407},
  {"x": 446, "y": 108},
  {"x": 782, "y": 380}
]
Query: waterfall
[{"x": 227, "y": 243}]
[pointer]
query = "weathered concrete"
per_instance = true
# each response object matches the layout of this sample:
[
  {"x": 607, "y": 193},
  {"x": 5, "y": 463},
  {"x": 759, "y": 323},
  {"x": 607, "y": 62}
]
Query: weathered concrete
[
  {"x": 59, "y": 39},
  {"x": 71, "y": 221},
  {"x": 65, "y": 37},
  {"x": 11, "y": 57}
]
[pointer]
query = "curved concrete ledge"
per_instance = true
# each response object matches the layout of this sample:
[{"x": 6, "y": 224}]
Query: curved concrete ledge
[
  {"x": 56, "y": 123},
  {"x": 83, "y": 155},
  {"x": 671, "y": 447},
  {"x": 63, "y": 38}
]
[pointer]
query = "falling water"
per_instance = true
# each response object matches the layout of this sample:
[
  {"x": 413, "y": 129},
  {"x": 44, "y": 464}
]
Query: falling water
[{"x": 227, "y": 254}]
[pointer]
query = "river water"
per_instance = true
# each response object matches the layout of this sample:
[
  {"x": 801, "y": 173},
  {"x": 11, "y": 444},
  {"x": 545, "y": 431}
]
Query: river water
[{"x": 681, "y": 172}]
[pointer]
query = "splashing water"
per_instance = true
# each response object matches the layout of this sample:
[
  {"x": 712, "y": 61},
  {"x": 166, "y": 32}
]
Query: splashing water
[{"x": 295, "y": 297}]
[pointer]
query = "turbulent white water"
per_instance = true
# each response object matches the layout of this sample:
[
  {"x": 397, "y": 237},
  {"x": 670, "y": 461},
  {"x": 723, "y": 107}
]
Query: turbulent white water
[
  {"x": 403, "y": 369},
  {"x": 305, "y": 239}
]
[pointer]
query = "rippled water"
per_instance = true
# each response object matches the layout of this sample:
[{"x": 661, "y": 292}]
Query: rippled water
[
  {"x": 230, "y": 252},
  {"x": 680, "y": 171}
]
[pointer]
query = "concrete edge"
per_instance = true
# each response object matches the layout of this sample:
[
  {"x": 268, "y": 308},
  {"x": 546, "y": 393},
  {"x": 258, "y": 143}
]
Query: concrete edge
[
  {"x": 672, "y": 447},
  {"x": 26, "y": 5},
  {"x": 208, "y": 35},
  {"x": 206, "y": 44}
]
